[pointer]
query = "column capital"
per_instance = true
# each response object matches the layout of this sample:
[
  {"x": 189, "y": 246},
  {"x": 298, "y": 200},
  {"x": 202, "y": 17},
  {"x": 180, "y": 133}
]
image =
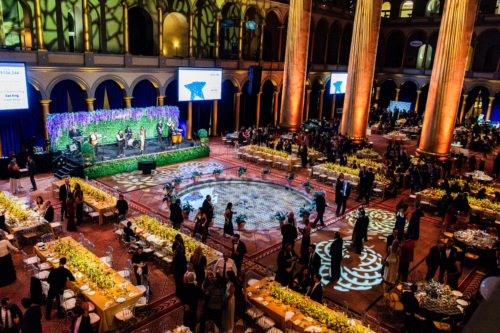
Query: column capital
[
  {"x": 125, "y": 3},
  {"x": 238, "y": 93},
  {"x": 398, "y": 89},
  {"x": 259, "y": 93},
  {"x": 45, "y": 101},
  {"x": 322, "y": 90},
  {"x": 465, "y": 96},
  {"x": 89, "y": 100},
  {"x": 276, "y": 92},
  {"x": 192, "y": 13},
  {"x": 308, "y": 91},
  {"x": 128, "y": 98},
  {"x": 219, "y": 17},
  {"x": 281, "y": 27},
  {"x": 419, "y": 91},
  {"x": 159, "y": 8},
  {"x": 378, "y": 87},
  {"x": 492, "y": 98}
]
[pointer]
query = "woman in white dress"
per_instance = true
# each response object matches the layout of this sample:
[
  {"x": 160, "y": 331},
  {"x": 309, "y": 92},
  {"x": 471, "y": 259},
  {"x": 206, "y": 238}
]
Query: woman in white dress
[
  {"x": 392, "y": 258},
  {"x": 228, "y": 314},
  {"x": 143, "y": 138}
]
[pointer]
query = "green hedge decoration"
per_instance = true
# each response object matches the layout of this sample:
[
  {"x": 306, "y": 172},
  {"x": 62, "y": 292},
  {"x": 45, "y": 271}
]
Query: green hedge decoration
[
  {"x": 114, "y": 167},
  {"x": 202, "y": 133},
  {"x": 204, "y": 141}
]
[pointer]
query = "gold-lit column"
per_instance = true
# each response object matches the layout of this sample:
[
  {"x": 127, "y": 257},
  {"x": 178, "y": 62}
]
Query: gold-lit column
[
  {"x": 450, "y": 60},
  {"x": 190, "y": 39},
  {"x": 257, "y": 111},
  {"x": 126, "y": 47},
  {"x": 45, "y": 112},
  {"x": 90, "y": 104},
  {"x": 377, "y": 95},
  {"x": 334, "y": 99},
  {"x": 237, "y": 96},
  {"x": 462, "y": 111},
  {"x": 189, "y": 124},
  {"x": 262, "y": 29},
  {"x": 160, "y": 100},
  {"x": 128, "y": 102},
  {"x": 361, "y": 68},
  {"x": 276, "y": 96},
  {"x": 38, "y": 24},
  {"x": 295, "y": 68},
  {"x": 217, "y": 32},
  {"x": 490, "y": 107},
  {"x": 321, "y": 95},
  {"x": 418, "y": 100},
  {"x": 240, "y": 42},
  {"x": 281, "y": 27},
  {"x": 398, "y": 90},
  {"x": 85, "y": 18},
  {"x": 214, "y": 120},
  {"x": 308, "y": 99},
  {"x": 160, "y": 30}
]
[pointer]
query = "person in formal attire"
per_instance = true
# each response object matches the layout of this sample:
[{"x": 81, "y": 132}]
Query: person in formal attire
[
  {"x": 208, "y": 208},
  {"x": 64, "y": 190},
  {"x": 57, "y": 280},
  {"x": 81, "y": 320},
  {"x": 39, "y": 206},
  {"x": 128, "y": 133},
  {"x": 48, "y": 214},
  {"x": 142, "y": 136},
  {"x": 180, "y": 267},
  {"x": 121, "y": 207},
  {"x": 78, "y": 194},
  {"x": 410, "y": 306},
  {"x": 70, "y": 209},
  {"x": 74, "y": 132},
  {"x": 191, "y": 294},
  {"x": 94, "y": 140},
  {"x": 360, "y": 232},
  {"x": 305, "y": 241},
  {"x": 302, "y": 281},
  {"x": 31, "y": 166},
  {"x": 159, "y": 131},
  {"x": 14, "y": 177},
  {"x": 401, "y": 220},
  {"x": 120, "y": 143},
  {"x": 448, "y": 259},
  {"x": 140, "y": 265},
  {"x": 176, "y": 214},
  {"x": 8, "y": 274},
  {"x": 433, "y": 260},
  {"x": 289, "y": 233},
  {"x": 336, "y": 249},
  {"x": 228, "y": 220},
  {"x": 223, "y": 265},
  {"x": 200, "y": 223},
  {"x": 366, "y": 179},
  {"x": 286, "y": 265},
  {"x": 171, "y": 128},
  {"x": 213, "y": 308},
  {"x": 320, "y": 208},
  {"x": 414, "y": 224},
  {"x": 315, "y": 292},
  {"x": 2, "y": 222},
  {"x": 342, "y": 193},
  {"x": 229, "y": 309},
  {"x": 238, "y": 251},
  {"x": 392, "y": 263},
  {"x": 314, "y": 260},
  {"x": 406, "y": 256},
  {"x": 177, "y": 241},
  {"x": 303, "y": 154},
  {"x": 199, "y": 262},
  {"x": 291, "y": 219},
  {"x": 10, "y": 316},
  {"x": 32, "y": 317}
]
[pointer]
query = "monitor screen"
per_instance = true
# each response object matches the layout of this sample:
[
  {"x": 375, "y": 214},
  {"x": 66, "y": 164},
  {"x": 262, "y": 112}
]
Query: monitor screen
[
  {"x": 338, "y": 83},
  {"x": 199, "y": 84},
  {"x": 13, "y": 86}
]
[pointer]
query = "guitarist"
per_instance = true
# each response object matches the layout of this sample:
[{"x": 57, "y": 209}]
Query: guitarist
[
  {"x": 94, "y": 140},
  {"x": 159, "y": 130}
]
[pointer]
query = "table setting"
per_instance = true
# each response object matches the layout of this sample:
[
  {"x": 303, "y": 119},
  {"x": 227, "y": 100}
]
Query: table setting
[
  {"x": 479, "y": 176},
  {"x": 475, "y": 238}
]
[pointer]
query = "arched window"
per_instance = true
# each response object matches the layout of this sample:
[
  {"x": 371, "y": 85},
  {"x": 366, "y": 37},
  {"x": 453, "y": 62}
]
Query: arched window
[
  {"x": 432, "y": 8},
  {"x": 386, "y": 9},
  {"x": 406, "y": 9},
  {"x": 71, "y": 32},
  {"x": 424, "y": 60}
]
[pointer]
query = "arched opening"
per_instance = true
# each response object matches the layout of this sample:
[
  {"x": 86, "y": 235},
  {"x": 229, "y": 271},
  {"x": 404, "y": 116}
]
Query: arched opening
[
  {"x": 266, "y": 117},
  {"x": 204, "y": 28},
  {"x": 271, "y": 37},
  {"x": 171, "y": 98},
  {"x": 433, "y": 43},
  {"x": 320, "y": 39},
  {"x": 67, "y": 96},
  {"x": 387, "y": 93},
  {"x": 229, "y": 36},
  {"x": 487, "y": 54},
  {"x": 175, "y": 35},
  {"x": 423, "y": 98},
  {"x": 71, "y": 32},
  {"x": 386, "y": 9},
  {"x": 251, "y": 37},
  {"x": 477, "y": 103},
  {"x": 432, "y": 8},
  {"x": 226, "y": 108},
  {"x": 140, "y": 31},
  {"x": 314, "y": 100},
  {"x": 406, "y": 9},
  {"x": 495, "y": 110},
  {"x": 247, "y": 107},
  {"x": 333, "y": 42},
  {"x": 16, "y": 35},
  {"x": 144, "y": 94},
  {"x": 345, "y": 47},
  {"x": 424, "y": 57},
  {"x": 327, "y": 101},
  {"x": 394, "y": 49},
  {"x": 408, "y": 93},
  {"x": 283, "y": 40},
  {"x": 413, "y": 43},
  {"x": 20, "y": 130},
  {"x": 108, "y": 95}
]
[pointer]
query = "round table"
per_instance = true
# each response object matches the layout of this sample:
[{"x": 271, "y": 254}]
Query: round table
[
  {"x": 479, "y": 176},
  {"x": 477, "y": 239}
]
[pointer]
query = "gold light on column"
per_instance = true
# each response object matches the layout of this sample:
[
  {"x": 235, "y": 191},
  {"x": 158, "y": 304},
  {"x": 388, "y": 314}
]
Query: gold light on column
[
  {"x": 321, "y": 97},
  {"x": 257, "y": 111},
  {"x": 189, "y": 122},
  {"x": 217, "y": 33},
  {"x": 45, "y": 112},
  {"x": 276, "y": 96},
  {"x": 38, "y": 24},
  {"x": 237, "y": 96},
  {"x": 190, "y": 39},
  {"x": 126, "y": 48},
  {"x": 361, "y": 68},
  {"x": 85, "y": 18},
  {"x": 160, "y": 30},
  {"x": 455, "y": 33},
  {"x": 128, "y": 102},
  {"x": 490, "y": 107},
  {"x": 418, "y": 100},
  {"x": 90, "y": 104}
]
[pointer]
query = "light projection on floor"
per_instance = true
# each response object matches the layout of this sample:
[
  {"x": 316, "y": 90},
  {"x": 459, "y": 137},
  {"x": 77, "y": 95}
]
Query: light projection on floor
[
  {"x": 381, "y": 222},
  {"x": 362, "y": 277}
]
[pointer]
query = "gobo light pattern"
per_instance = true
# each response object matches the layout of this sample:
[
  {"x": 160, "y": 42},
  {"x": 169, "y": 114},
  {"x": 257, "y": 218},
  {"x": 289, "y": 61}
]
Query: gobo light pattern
[{"x": 381, "y": 222}]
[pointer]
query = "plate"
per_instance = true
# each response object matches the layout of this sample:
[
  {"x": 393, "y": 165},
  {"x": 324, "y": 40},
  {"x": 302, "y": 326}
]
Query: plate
[
  {"x": 462, "y": 302},
  {"x": 50, "y": 255},
  {"x": 40, "y": 244},
  {"x": 78, "y": 275},
  {"x": 43, "y": 248},
  {"x": 90, "y": 292},
  {"x": 84, "y": 287},
  {"x": 55, "y": 261},
  {"x": 120, "y": 299},
  {"x": 457, "y": 293}
]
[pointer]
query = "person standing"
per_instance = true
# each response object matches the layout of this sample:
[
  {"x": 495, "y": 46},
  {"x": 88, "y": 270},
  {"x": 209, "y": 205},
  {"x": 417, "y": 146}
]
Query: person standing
[
  {"x": 31, "y": 166},
  {"x": 199, "y": 262},
  {"x": 10, "y": 316},
  {"x": 392, "y": 263},
  {"x": 64, "y": 191},
  {"x": 120, "y": 142},
  {"x": 8, "y": 275},
  {"x": 32, "y": 318},
  {"x": 213, "y": 308},
  {"x": 224, "y": 265},
  {"x": 289, "y": 233},
  {"x": 208, "y": 208},
  {"x": 57, "y": 280},
  {"x": 303, "y": 154},
  {"x": 433, "y": 260},
  {"x": 159, "y": 131},
  {"x": 228, "y": 220},
  {"x": 170, "y": 128},
  {"x": 78, "y": 194},
  {"x": 176, "y": 214},
  {"x": 406, "y": 257},
  {"x": 336, "y": 257},
  {"x": 342, "y": 193},
  {"x": 401, "y": 220},
  {"x": 180, "y": 268},
  {"x": 128, "y": 133},
  {"x": 70, "y": 208},
  {"x": 365, "y": 185},
  {"x": 360, "y": 232},
  {"x": 238, "y": 251},
  {"x": 142, "y": 135},
  {"x": 229, "y": 309},
  {"x": 189, "y": 298},
  {"x": 286, "y": 265},
  {"x": 94, "y": 140},
  {"x": 122, "y": 208},
  {"x": 15, "y": 176},
  {"x": 447, "y": 262},
  {"x": 140, "y": 264},
  {"x": 410, "y": 306},
  {"x": 320, "y": 208},
  {"x": 305, "y": 242},
  {"x": 414, "y": 224}
]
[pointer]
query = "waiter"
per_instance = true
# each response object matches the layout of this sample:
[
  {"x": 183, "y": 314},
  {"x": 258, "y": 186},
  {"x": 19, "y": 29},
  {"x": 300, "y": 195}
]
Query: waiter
[
  {"x": 159, "y": 130},
  {"x": 57, "y": 280},
  {"x": 120, "y": 141}
]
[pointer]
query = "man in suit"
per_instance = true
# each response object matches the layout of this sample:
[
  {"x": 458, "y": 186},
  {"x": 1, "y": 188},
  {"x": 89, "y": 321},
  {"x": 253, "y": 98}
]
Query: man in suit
[
  {"x": 159, "y": 130},
  {"x": 81, "y": 320},
  {"x": 57, "y": 280},
  {"x": 208, "y": 208},
  {"x": 410, "y": 306},
  {"x": 224, "y": 265},
  {"x": 32, "y": 172},
  {"x": 447, "y": 261},
  {"x": 128, "y": 232},
  {"x": 32, "y": 318},
  {"x": 64, "y": 191},
  {"x": 176, "y": 213},
  {"x": 49, "y": 212},
  {"x": 238, "y": 251},
  {"x": 342, "y": 195},
  {"x": 120, "y": 142},
  {"x": 314, "y": 260},
  {"x": 289, "y": 233},
  {"x": 406, "y": 256},
  {"x": 286, "y": 265},
  {"x": 320, "y": 208},
  {"x": 433, "y": 260},
  {"x": 360, "y": 232},
  {"x": 369, "y": 178},
  {"x": 10, "y": 315},
  {"x": 336, "y": 256},
  {"x": 362, "y": 182},
  {"x": 121, "y": 207},
  {"x": 315, "y": 292},
  {"x": 177, "y": 241},
  {"x": 343, "y": 160}
]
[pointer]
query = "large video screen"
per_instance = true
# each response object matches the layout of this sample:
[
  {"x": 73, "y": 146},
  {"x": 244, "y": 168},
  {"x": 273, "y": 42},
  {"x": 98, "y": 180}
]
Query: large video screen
[
  {"x": 199, "y": 84},
  {"x": 13, "y": 86},
  {"x": 338, "y": 83}
]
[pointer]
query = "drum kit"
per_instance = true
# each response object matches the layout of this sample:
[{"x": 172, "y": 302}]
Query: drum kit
[{"x": 133, "y": 142}]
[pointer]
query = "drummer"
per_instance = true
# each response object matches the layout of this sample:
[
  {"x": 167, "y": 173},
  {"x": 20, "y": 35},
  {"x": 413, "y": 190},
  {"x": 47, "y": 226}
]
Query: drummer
[{"x": 128, "y": 133}]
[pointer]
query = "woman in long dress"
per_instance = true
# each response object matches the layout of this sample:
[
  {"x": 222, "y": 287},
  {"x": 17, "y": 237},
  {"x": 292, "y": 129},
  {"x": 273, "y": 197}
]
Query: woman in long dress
[
  {"x": 306, "y": 241},
  {"x": 392, "y": 258},
  {"x": 70, "y": 209},
  {"x": 8, "y": 274},
  {"x": 15, "y": 176},
  {"x": 143, "y": 138},
  {"x": 228, "y": 223},
  {"x": 228, "y": 314},
  {"x": 199, "y": 262}
]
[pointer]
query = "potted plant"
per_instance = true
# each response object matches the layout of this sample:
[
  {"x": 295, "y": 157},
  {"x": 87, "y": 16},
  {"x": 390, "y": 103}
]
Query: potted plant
[
  {"x": 203, "y": 135},
  {"x": 88, "y": 152},
  {"x": 305, "y": 211},
  {"x": 217, "y": 172},
  {"x": 195, "y": 176},
  {"x": 307, "y": 186},
  {"x": 290, "y": 178},
  {"x": 241, "y": 221},
  {"x": 169, "y": 198},
  {"x": 241, "y": 171},
  {"x": 264, "y": 173},
  {"x": 281, "y": 217},
  {"x": 169, "y": 187},
  {"x": 177, "y": 181},
  {"x": 186, "y": 209}
]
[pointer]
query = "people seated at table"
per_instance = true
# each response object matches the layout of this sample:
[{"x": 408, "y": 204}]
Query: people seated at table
[
  {"x": 2, "y": 222},
  {"x": 48, "y": 214},
  {"x": 315, "y": 290},
  {"x": 39, "y": 206},
  {"x": 302, "y": 281}
]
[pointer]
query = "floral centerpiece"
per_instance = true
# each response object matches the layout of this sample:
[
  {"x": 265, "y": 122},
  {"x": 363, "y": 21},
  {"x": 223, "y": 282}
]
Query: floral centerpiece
[
  {"x": 281, "y": 217},
  {"x": 347, "y": 170},
  {"x": 264, "y": 173},
  {"x": 94, "y": 192},
  {"x": 241, "y": 220},
  {"x": 481, "y": 203},
  {"x": 364, "y": 161},
  {"x": 13, "y": 208},
  {"x": 241, "y": 171},
  {"x": 266, "y": 150},
  {"x": 305, "y": 211},
  {"x": 289, "y": 178}
]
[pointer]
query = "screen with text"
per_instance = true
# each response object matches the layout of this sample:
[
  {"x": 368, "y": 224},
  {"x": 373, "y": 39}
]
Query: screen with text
[
  {"x": 199, "y": 84},
  {"x": 13, "y": 86}
]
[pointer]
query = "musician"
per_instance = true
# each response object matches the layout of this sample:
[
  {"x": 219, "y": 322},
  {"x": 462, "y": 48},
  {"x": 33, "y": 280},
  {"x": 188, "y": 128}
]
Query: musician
[
  {"x": 74, "y": 132},
  {"x": 128, "y": 133},
  {"x": 120, "y": 141},
  {"x": 94, "y": 140},
  {"x": 159, "y": 130},
  {"x": 171, "y": 129}
]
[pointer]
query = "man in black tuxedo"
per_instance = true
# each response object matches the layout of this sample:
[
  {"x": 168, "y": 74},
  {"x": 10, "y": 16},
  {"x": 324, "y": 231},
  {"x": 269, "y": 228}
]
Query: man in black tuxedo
[
  {"x": 32, "y": 172},
  {"x": 120, "y": 143},
  {"x": 32, "y": 318},
  {"x": 314, "y": 261},
  {"x": 286, "y": 265},
  {"x": 342, "y": 193},
  {"x": 360, "y": 232},
  {"x": 81, "y": 320},
  {"x": 10, "y": 315},
  {"x": 208, "y": 208},
  {"x": 176, "y": 213},
  {"x": 336, "y": 256},
  {"x": 366, "y": 180},
  {"x": 289, "y": 233},
  {"x": 320, "y": 208},
  {"x": 447, "y": 261},
  {"x": 49, "y": 212},
  {"x": 433, "y": 260},
  {"x": 315, "y": 292},
  {"x": 57, "y": 280},
  {"x": 64, "y": 191},
  {"x": 410, "y": 306},
  {"x": 159, "y": 130},
  {"x": 343, "y": 160},
  {"x": 238, "y": 251}
]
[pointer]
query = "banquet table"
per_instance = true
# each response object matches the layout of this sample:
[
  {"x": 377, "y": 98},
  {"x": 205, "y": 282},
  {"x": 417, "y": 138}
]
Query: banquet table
[
  {"x": 105, "y": 306},
  {"x": 481, "y": 241},
  {"x": 396, "y": 137},
  {"x": 290, "y": 161},
  {"x": 100, "y": 207},
  {"x": 479, "y": 176}
]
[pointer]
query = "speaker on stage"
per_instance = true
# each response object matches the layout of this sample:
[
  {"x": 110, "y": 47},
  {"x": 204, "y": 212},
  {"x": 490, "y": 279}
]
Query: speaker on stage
[{"x": 255, "y": 75}]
